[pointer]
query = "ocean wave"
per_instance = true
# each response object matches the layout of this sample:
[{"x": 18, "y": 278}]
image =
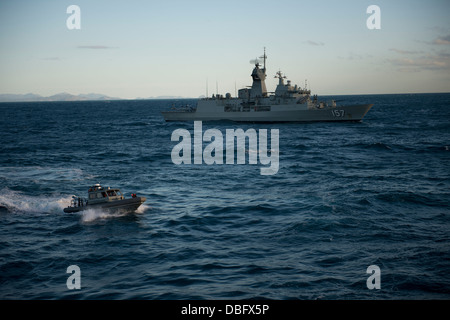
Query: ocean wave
[
  {"x": 429, "y": 200},
  {"x": 372, "y": 145},
  {"x": 24, "y": 175}
]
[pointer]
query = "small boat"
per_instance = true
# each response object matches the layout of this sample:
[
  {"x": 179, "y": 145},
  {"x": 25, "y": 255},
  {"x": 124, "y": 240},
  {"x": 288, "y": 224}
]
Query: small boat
[{"x": 110, "y": 199}]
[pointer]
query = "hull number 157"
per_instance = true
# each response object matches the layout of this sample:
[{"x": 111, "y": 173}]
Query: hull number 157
[{"x": 338, "y": 113}]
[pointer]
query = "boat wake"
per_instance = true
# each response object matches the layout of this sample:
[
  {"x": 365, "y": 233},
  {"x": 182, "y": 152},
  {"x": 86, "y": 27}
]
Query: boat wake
[
  {"x": 142, "y": 208},
  {"x": 18, "y": 202},
  {"x": 92, "y": 215},
  {"x": 98, "y": 214}
]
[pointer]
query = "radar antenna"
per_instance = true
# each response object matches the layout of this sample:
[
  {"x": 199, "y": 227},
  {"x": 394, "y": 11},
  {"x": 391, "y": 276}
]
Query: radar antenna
[
  {"x": 279, "y": 75},
  {"x": 255, "y": 61}
]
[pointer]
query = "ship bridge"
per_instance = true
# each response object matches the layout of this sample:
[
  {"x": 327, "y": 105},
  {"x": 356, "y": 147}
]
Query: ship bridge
[{"x": 259, "y": 77}]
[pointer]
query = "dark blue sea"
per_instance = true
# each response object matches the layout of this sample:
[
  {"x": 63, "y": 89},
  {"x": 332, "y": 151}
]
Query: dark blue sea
[{"x": 346, "y": 196}]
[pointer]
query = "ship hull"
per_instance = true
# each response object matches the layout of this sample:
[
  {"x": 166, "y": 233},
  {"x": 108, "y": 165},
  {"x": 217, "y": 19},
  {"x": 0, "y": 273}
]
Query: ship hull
[
  {"x": 342, "y": 113},
  {"x": 125, "y": 205}
]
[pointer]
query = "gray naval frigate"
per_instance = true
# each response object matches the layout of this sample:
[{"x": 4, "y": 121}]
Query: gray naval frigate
[{"x": 254, "y": 104}]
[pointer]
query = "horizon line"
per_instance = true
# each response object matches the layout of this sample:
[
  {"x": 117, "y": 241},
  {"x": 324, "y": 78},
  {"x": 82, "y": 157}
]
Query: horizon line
[{"x": 190, "y": 98}]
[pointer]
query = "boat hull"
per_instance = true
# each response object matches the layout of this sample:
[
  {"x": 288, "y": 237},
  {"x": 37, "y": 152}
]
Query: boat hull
[
  {"x": 342, "y": 113},
  {"x": 125, "y": 205}
]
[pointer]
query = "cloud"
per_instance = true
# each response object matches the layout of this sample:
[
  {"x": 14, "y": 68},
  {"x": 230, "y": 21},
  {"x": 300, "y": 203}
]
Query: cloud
[
  {"x": 440, "y": 61},
  {"x": 95, "y": 47},
  {"x": 51, "y": 58},
  {"x": 355, "y": 56},
  {"x": 415, "y": 61},
  {"x": 405, "y": 51},
  {"x": 442, "y": 40},
  {"x": 314, "y": 43}
]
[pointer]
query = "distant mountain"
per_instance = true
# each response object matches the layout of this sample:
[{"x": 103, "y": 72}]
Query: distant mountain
[
  {"x": 20, "y": 97},
  {"x": 64, "y": 96}
]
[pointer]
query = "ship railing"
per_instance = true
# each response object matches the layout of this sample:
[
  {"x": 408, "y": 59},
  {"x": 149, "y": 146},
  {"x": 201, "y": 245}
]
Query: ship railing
[
  {"x": 186, "y": 108},
  {"x": 302, "y": 100},
  {"x": 78, "y": 202}
]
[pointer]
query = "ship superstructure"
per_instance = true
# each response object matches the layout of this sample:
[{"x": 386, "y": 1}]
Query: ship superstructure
[{"x": 289, "y": 103}]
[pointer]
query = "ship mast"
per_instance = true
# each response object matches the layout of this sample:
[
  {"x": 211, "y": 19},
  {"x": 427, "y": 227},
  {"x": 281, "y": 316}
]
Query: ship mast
[{"x": 264, "y": 57}]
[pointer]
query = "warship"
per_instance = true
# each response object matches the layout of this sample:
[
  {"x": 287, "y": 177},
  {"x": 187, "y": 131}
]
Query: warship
[
  {"x": 109, "y": 199},
  {"x": 289, "y": 103}
]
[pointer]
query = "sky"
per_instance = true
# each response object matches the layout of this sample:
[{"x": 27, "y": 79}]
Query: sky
[{"x": 138, "y": 49}]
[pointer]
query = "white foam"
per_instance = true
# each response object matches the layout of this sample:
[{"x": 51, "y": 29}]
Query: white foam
[
  {"x": 142, "y": 208},
  {"x": 16, "y": 201},
  {"x": 91, "y": 215}
]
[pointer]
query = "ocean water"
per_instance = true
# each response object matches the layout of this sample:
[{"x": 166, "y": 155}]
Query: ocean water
[{"x": 347, "y": 196}]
